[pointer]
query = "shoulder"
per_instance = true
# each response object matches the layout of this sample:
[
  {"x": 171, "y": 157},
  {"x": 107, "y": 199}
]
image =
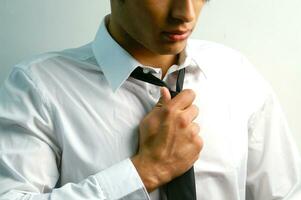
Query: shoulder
[
  {"x": 217, "y": 60},
  {"x": 49, "y": 71},
  {"x": 221, "y": 61},
  {"x": 230, "y": 72},
  {"x": 51, "y": 61}
]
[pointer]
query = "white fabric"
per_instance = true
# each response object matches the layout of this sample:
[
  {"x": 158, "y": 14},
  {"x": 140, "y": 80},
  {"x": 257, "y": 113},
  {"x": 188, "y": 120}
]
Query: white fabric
[{"x": 68, "y": 126}]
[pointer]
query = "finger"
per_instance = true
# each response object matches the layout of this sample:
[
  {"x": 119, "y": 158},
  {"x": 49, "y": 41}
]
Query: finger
[
  {"x": 184, "y": 99},
  {"x": 191, "y": 113},
  {"x": 165, "y": 97},
  {"x": 194, "y": 130},
  {"x": 187, "y": 116},
  {"x": 195, "y": 133}
]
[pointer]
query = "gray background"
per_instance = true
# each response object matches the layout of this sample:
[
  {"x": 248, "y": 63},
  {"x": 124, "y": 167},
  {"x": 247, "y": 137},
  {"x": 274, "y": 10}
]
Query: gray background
[{"x": 268, "y": 32}]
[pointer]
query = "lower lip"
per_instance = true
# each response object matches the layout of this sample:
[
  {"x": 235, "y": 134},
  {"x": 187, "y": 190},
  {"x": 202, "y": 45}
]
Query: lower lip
[{"x": 176, "y": 37}]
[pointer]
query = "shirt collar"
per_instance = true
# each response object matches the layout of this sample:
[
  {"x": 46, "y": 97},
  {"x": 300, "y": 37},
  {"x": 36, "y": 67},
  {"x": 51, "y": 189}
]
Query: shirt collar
[
  {"x": 194, "y": 57},
  {"x": 117, "y": 64}
]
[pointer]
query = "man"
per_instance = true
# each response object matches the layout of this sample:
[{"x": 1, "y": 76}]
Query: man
[{"x": 76, "y": 125}]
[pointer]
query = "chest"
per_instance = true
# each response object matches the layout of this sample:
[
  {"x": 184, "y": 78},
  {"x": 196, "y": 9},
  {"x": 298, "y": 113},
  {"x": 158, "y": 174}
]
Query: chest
[{"x": 98, "y": 129}]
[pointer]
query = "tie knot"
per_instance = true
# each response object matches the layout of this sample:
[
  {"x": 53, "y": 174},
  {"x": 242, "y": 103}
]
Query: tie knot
[{"x": 144, "y": 74}]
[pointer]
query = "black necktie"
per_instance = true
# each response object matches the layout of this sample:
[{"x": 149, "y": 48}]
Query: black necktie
[{"x": 182, "y": 187}]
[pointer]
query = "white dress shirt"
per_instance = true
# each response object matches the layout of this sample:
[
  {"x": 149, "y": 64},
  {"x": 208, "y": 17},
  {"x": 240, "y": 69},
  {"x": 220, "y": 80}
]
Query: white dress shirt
[{"x": 68, "y": 126}]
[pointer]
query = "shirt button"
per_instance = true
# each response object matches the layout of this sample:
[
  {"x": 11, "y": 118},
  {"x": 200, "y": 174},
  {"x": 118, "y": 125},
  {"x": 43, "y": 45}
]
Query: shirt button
[
  {"x": 152, "y": 91},
  {"x": 145, "y": 70}
]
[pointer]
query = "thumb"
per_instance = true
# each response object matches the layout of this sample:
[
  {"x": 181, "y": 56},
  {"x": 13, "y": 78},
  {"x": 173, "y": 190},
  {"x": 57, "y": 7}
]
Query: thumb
[{"x": 165, "y": 96}]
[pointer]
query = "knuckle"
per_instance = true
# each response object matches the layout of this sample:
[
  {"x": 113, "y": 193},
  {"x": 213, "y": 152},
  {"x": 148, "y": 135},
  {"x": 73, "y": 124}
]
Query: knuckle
[
  {"x": 183, "y": 121},
  {"x": 199, "y": 143},
  {"x": 197, "y": 139},
  {"x": 148, "y": 122},
  {"x": 195, "y": 130},
  {"x": 196, "y": 108},
  {"x": 191, "y": 93},
  {"x": 167, "y": 110}
]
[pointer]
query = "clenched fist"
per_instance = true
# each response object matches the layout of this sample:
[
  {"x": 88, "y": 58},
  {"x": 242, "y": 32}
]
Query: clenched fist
[{"x": 169, "y": 141}]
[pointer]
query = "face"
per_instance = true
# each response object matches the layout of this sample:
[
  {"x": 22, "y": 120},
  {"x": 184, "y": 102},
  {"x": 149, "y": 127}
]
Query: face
[{"x": 156, "y": 26}]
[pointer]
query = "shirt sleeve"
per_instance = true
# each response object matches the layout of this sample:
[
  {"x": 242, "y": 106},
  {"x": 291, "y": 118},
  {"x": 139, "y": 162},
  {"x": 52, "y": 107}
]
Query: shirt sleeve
[
  {"x": 273, "y": 158},
  {"x": 30, "y": 153}
]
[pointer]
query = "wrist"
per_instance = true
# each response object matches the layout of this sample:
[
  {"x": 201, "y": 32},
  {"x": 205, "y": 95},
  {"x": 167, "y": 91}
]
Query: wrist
[{"x": 150, "y": 173}]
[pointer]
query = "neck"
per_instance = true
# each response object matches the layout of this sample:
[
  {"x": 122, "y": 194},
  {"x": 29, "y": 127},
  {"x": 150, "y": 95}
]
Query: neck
[
  {"x": 140, "y": 53},
  {"x": 154, "y": 60}
]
